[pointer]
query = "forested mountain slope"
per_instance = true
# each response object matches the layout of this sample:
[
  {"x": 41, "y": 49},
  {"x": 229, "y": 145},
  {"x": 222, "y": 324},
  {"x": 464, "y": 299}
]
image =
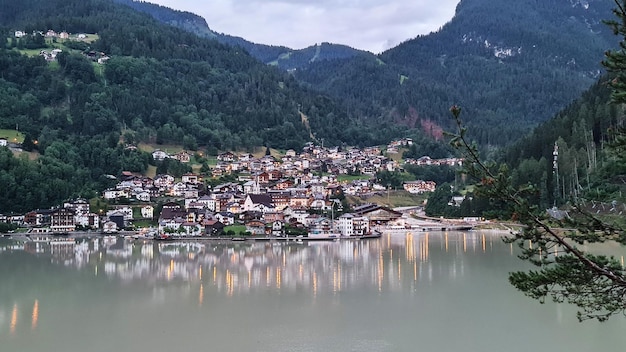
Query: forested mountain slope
[
  {"x": 582, "y": 133},
  {"x": 159, "y": 85},
  {"x": 510, "y": 63}
]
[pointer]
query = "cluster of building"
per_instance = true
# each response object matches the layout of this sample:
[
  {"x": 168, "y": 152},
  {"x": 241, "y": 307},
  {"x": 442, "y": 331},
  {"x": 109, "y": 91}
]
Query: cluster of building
[
  {"x": 51, "y": 55},
  {"x": 427, "y": 161},
  {"x": 50, "y": 34},
  {"x": 270, "y": 195}
]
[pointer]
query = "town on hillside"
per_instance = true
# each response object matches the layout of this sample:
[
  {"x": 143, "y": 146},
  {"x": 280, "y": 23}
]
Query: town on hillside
[{"x": 270, "y": 197}]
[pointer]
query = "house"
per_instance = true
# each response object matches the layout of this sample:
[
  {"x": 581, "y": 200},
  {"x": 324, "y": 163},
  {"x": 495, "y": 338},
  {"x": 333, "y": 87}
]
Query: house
[
  {"x": 182, "y": 156},
  {"x": 456, "y": 201},
  {"x": 251, "y": 187},
  {"x": 225, "y": 217},
  {"x": 190, "y": 178},
  {"x": 275, "y": 175},
  {"x": 280, "y": 199},
  {"x": 193, "y": 204},
  {"x": 20, "y": 34},
  {"x": 274, "y": 216},
  {"x": 163, "y": 181},
  {"x": 419, "y": 186},
  {"x": 378, "y": 214},
  {"x": 295, "y": 216},
  {"x": 171, "y": 225},
  {"x": 62, "y": 220},
  {"x": 299, "y": 200},
  {"x": 80, "y": 206},
  {"x": 143, "y": 196},
  {"x": 258, "y": 202},
  {"x": 234, "y": 207},
  {"x": 178, "y": 189},
  {"x": 89, "y": 220},
  {"x": 3, "y": 142},
  {"x": 109, "y": 227},
  {"x": 227, "y": 157},
  {"x": 190, "y": 193},
  {"x": 190, "y": 228},
  {"x": 277, "y": 228},
  {"x": 317, "y": 188},
  {"x": 126, "y": 211},
  {"x": 38, "y": 217},
  {"x": 255, "y": 227},
  {"x": 208, "y": 201},
  {"x": 118, "y": 218},
  {"x": 172, "y": 211},
  {"x": 147, "y": 212},
  {"x": 319, "y": 203},
  {"x": 351, "y": 225},
  {"x": 159, "y": 155},
  {"x": 115, "y": 194},
  {"x": 222, "y": 200},
  {"x": 213, "y": 227},
  {"x": 263, "y": 178},
  {"x": 284, "y": 184}
]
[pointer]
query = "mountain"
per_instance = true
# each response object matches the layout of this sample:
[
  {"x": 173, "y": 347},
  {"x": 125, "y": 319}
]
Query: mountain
[
  {"x": 84, "y": 101},
  {"x": 280, "y": 56},
  {"x": 510, "y": 64}
]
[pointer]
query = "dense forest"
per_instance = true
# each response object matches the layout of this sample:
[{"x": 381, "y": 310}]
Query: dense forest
[
  {"x": 570, "y": 159},
  {"x": 160, "y": 85},
  {"x": 583, "y": 134},
  {"x": 511, "y": 64},
  {"x": 510, "y": 71}
]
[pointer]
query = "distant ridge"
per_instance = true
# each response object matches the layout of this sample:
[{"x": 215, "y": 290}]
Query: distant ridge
[{"x": 280, "y": 56}]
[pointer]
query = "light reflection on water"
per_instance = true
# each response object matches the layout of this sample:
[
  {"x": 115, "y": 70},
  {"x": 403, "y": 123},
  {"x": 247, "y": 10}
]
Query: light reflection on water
[{"x": 438, "y": 290}]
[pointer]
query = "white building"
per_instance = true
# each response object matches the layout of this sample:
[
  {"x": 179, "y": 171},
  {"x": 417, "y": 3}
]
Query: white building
[
  {"x": 147, "y": 212},
  {"x": 351, "y": 225},
  {"x": 159, "y": 155},
  {"x": 115, "y": 193},
  {"x": 127, "y": 211},
  {"x": 90, "y": 220}
]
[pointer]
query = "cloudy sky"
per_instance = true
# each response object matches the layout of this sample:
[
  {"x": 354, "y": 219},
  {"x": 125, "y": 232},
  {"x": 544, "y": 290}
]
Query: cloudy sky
[{"x": 373, "y": 25}]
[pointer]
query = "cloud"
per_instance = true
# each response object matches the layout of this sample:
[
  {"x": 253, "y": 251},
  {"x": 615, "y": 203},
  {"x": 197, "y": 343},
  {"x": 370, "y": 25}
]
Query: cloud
[{"x": 372, "y": 25}]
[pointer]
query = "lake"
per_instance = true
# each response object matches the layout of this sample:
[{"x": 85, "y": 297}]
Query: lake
[{"x": 437, "y": 291}]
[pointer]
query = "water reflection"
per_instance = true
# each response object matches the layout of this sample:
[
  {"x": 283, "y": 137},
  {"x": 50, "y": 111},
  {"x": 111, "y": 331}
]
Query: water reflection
[
  {"x": 418, "y": 286},
  {"x": 239, "y": 268}
]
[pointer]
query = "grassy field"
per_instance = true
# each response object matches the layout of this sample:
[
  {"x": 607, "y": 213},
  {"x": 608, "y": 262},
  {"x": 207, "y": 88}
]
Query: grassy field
[
  {"x": 151, "y": 172},
  {"x": 12, "y": 136},
  {"x": 237, "y": 229},
  {"x": 350, "y": 178},
  {"x": 31, "y": 155},
  {"x": 397, "y": 156},
  {"x": 168, "y": 148},
  {"x": 395, "y": 199},
  {"x": 259, "y": 152}
]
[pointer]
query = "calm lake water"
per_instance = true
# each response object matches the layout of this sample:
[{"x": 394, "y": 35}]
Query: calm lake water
[{"x": 403, "y": 292}]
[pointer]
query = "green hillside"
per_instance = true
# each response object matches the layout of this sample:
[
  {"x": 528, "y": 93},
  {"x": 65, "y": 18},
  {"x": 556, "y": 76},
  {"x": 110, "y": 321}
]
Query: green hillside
[
  {"x": 158, "y": 84},
  {"x": 511, "y": 64}
]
